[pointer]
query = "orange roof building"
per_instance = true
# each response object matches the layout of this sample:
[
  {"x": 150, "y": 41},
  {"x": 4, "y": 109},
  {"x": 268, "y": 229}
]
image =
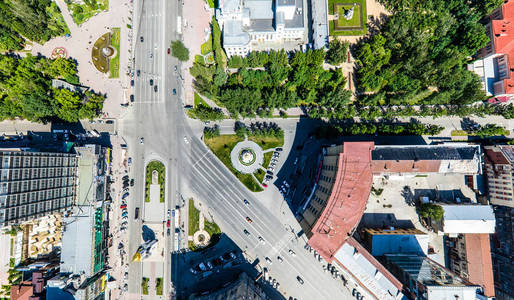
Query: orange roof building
[{"x": 495, "y": 65}]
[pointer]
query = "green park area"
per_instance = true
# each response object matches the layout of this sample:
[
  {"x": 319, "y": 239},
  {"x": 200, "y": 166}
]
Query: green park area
[
  {"x": 221, "y": 146},
  {"x": 114, "y": 62},
  {"x": 158, "y": 286},
  {"x": 161, "y": 170},
  {"x": 100, "y": 61},
  {"x": 194, "y": 225},
  {"x": 83, "y": 10},
  {"x": 356, "y": 25},
  {"x": 144, "y": 285}
]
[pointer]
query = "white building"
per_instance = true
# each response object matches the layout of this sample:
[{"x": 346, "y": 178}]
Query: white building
[
  {"x": 468, "y": 219},
  {"x": 261, "y": 25}
]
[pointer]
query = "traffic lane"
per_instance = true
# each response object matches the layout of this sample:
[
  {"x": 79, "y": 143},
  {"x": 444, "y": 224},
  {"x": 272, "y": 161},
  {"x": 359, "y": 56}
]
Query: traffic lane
[
  {"x": 242, "y": 239},
  {"x": 208, "y": 167}
]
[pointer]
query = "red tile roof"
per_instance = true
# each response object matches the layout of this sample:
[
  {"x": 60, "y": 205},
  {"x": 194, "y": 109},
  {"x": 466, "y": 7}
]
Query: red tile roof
[
  {"x": 480, "y": 269},
  {"x": 503, "y": 39},
  {"x": 405, "y": 166},
  {"x": 347, "y": 200},
  {"x": 23, "y": 291},
  {"x": 495, "y": 157}
]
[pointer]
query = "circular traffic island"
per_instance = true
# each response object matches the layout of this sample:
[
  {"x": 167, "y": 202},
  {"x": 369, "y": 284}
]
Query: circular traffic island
[{"x": 247, "y": 157}]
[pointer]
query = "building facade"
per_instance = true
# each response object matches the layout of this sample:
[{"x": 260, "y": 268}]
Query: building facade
[
  {"x": 503, "y": 253},
  {"x": 261, "y": 24},
  {"x": 35, "y": 184},
  {"x": 243, "y": 287},
  {"x": 500, "y": 174}
]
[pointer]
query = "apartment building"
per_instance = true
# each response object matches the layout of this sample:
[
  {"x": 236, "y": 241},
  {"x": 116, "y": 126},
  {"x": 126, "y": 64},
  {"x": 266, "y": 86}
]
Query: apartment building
[{"x": 35, "y": 184}]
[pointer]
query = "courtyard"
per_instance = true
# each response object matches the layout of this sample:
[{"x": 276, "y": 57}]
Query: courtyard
[{"x": 347, "y": 17}]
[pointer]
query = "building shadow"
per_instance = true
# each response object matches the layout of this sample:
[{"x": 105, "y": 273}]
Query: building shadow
[
  {"x": 383, "y": 220},
  {"x": 188, "y": 279}
]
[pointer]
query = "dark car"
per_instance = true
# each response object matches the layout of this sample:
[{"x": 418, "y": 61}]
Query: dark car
[
  {"x": 125, "y": 184},
  {"x": 141, "y": 39},
  {"x": 300, "y": 280},
  {"x": 278, "y": 149},
  {"x": 246, "y": 232},
  {"x": 131, "y": 98},
  {"x": 169, "y": 51},
  {"x": 124, "y": 104},
  {"x": 132, "y": 83},
  {"x": 168, "y": 232},
  {"x": 174, "y": 91},
  {"x": 138, "y": 72},
  {"x": 269, "y": 177},
  {"x": 136, "y": 215},
  {"x": 151, "y": 81},
  {"x": 269, "y": 173},
  {"x": 125, "y": 177},
  {"x": 155, "y": 89},
  {"x": 131, "y": 182},
  {"x": 109, "y": 122}
]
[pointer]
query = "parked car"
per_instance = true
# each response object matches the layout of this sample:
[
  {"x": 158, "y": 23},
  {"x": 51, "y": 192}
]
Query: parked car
[
  {"x": 269, "y": 177},
  {"x": 168, "y": 232},
  {"x": 168, "y": 223},
  {"x": 175, "y": 68},
  {"x": 169, "y": 51},
  {"x": 155, "y": 89},
  {"x": 268, "y": 260},
  {"x": 132, "y": 83},
  {"x": 278, "y": 149},
  {"x": 132, "y": 182},
  {"x": 269, "y": 172},
  {"x": 109, "y": 122},
  {"x": 292, "y": 252},
  {"x": 249, "y": 220},
  {"x": 126, "y": 177},
  {"x": 174, "y": 91},
  {"x": 280, "y": 259},
  {"x": 138, "y": 72},
  {"x": 151, "y": 82},
  {"x": 125, "y": 185},
  {"x": 246, "y": 232},
  {"x": 246, "y": 202},
  {"x": 142, "y": 141},
  {"x": 300, "y": 280},
  {"x": 131, "y": 98},
  {"x": 141, "y": 39},
  {"x": 261, "y": 240},
  {"x": 136, "y": 215},
  {"x": 123, "y": 206}
]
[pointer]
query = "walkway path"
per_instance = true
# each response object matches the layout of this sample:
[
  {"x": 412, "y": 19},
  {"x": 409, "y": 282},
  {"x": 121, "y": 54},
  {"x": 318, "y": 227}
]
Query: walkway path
[{"x": 79, "y": 44}]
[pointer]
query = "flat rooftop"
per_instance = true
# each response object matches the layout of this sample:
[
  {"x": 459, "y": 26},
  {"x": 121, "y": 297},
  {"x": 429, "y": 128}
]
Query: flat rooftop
[{"x": 425, "y": 152}]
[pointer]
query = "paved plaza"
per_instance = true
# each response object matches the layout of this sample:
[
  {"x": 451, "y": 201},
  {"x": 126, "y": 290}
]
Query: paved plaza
[{"x": 247, "y": 157}]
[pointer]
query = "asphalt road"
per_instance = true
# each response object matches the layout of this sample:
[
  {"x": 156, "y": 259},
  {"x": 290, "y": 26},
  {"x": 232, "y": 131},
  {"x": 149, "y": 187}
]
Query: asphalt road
[
  {"x": 219, "y": 189},
  {"x": 155, "y": 116}
]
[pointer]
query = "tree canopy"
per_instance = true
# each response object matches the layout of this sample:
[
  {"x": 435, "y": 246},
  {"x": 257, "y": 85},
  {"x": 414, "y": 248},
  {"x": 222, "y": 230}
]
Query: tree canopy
[
  {"x": 26, "y": 90},
  {"x": 179, "y": 51},
  {"x": 421, "y": 52},
  {"x": 35, "y": 20}
]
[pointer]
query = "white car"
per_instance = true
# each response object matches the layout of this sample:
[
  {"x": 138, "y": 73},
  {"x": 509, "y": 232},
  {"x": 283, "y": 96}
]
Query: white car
[
  {"x": 185, "y": 140},
  {"x": 262, "y": 240},
  {"x": 142, "y": 141},
  {"x": 292, "y": 252}
]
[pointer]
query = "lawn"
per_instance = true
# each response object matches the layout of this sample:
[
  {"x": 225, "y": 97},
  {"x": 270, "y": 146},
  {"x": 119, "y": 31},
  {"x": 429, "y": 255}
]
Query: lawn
[
  {"x": 101, "y": 62},
  {"x": 82, "y": 12},
  {"x": 260, "y": 175},
  {"x": 155, "y": 165},
  {"x": 267, "y": 159},
  {"x": 211, "y": 228},
  {"x": 199, "y": 100},
  {"x": 207, "y": 46},
  {"x": 267, "y": 142},
  {"x": 355, "y": 21},
  {"x": 221, "y": 146},
  {"x": 158, "y": 286},
  {"x": 194, "y": 218},
  {"x": 144, "y": 285},
  {"x": 114, "y": 62},
  {"x": 349, "y": 27}
]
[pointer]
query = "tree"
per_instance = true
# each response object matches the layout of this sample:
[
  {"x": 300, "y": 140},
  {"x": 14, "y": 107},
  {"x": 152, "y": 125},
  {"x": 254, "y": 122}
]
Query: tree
[
  {"x": 431, "y": 211},
  {"x": 207, "y": 113},
  {"x": 491, "y": 130},
  {"x": 179, "y": 50},
  {"x": 337, "y": 52}
]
